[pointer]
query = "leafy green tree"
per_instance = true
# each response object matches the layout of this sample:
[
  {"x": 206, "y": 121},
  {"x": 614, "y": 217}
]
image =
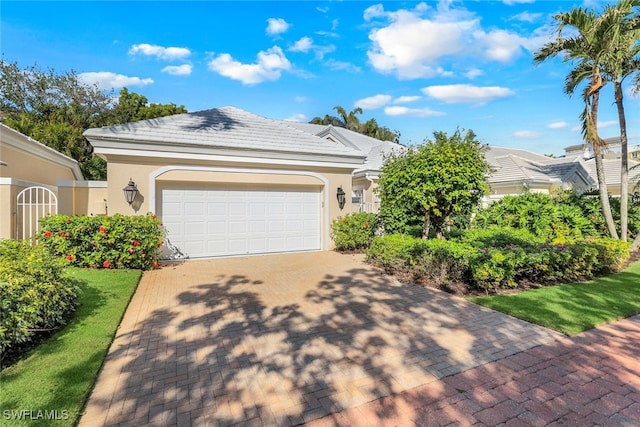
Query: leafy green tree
[
  {"x": 55, "y": 109},
  {"x": 434, "y": 181},
  {"x": 582, "y": 39}
]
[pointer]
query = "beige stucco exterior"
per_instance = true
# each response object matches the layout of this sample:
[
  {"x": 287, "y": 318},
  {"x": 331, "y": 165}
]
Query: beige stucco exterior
[
  {"x": 82, "y": 197},
  {"x": 152, "y": 175},
  {"x": 26, "y": 163}
]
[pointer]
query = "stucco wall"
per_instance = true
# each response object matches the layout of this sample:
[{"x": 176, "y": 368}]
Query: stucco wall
[
  {"x": 82, "y": 197},
  {"x": 28, "y": 167},
  {"x": 162, "y": 174}
]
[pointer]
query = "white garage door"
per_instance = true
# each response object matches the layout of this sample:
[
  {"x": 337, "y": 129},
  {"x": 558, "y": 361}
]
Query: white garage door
[{"x": 218, "y": 222}]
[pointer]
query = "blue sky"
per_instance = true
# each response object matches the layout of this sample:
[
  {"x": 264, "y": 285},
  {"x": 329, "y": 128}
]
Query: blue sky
[{"x": 416, "y": 67}]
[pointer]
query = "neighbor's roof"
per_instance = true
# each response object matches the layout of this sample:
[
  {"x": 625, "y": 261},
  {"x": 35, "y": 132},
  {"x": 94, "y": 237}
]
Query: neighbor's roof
[
  {"x": 514, "y": 165},
  {"x": 612, "y": 169},
  {"x": 225, "y": 129}
]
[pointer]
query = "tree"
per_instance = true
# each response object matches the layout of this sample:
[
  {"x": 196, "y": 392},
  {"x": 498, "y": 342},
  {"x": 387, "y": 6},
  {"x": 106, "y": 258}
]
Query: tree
[
  {"x": 434, "y": 181},
  {"x": 351, "y": 121},
  {"x": 55, "y": 109},
  {"x": 585, "y": 45},
  {"x": 619, "y": 62}
]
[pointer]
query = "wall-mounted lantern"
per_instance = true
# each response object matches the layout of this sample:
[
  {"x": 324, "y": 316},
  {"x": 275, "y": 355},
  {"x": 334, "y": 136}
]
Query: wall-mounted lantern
[
  {"x": 130, "y": 191},
  {"x": 342, "y": 197}
]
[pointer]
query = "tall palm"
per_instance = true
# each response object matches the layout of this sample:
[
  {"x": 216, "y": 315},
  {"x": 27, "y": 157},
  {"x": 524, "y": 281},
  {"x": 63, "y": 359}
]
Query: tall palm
[
  {"x": 584, "y": 46},
  {"x": 350, "y": 120},
  {"x": 621, "y": 60}
]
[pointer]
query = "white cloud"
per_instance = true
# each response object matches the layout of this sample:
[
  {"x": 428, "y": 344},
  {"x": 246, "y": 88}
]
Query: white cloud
[
  {"x": 526, "y": 134},
  {"x": 297, "y": 117},
  {"x": 108, "y": 80},
  {"x": 397, "y": 110},
  {"x": 276, "y": 26},
  {"x": 160, "y": 52},
  {"x": 558, "y": 125},
  {"x": 334, "y": 65},
  {"x": 269, "y": 66},
  {"x": 527, "y": 17},
  {"x": 178, "y": 70},
  {"x": 372, "y": 102},
  {"x": 322, "y": 9},
  {"x": 607, "y": 124},
  {"x": 473, "y": 73},
  {"x": 467, "y": 94},
  {"x": 406, "y": 99},
  {"x": 302, "y": 45},
  {"x": 412, "y": 46},
  {"x": 300, "y": 99}
]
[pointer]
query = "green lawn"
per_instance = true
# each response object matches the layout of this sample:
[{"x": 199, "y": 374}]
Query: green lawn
[
  {"x": 576, "y": 307},
  {"x": 58, "y": 374}
]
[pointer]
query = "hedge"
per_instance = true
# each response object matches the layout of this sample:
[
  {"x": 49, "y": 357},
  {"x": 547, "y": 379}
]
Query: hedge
[
  {"x": 35, "y": 292},
  {"x": 354, "y": 231}
]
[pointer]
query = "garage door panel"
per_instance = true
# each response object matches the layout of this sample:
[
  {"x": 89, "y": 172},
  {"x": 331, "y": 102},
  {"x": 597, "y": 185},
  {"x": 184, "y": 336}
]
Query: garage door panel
[{"x": 218, "y": 222}]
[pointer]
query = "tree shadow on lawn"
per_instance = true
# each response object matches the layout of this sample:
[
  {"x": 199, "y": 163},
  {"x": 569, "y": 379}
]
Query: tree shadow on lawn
[{"x": 236, "y": 350}]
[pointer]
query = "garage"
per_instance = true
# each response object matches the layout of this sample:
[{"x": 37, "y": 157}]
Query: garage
[{"x": 209, "y": 222}]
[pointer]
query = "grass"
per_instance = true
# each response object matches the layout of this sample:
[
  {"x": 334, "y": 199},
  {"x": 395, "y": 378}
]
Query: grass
[
  {"x": 59, "y": 374},
  {"x": 575, "y": 307}
]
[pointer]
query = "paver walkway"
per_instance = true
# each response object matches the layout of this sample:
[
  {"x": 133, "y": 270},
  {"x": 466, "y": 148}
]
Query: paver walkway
[
  {"x": 287, "y": 339},
  {"x": 592, "y": 379}
]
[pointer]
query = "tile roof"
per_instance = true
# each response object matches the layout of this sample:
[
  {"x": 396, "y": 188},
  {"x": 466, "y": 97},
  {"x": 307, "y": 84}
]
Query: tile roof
[{"x": 225, "y": 127}]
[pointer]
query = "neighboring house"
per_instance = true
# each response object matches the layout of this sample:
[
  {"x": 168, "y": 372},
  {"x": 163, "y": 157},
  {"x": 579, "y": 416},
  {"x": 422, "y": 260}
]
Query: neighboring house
[
  {"x": 365, "y": 178},
  {"x": 228, "y": 182},
  {"x": 612, "y": 148},
  {"x": 35, "y": 181},
  {"x": 515, "y": 171}
]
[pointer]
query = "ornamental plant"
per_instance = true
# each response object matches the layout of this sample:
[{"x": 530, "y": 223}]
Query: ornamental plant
[
  {"x": 116, "y": 241},
  {"x": 354, "y": 231},
  {"x": 35, "y": 292}
]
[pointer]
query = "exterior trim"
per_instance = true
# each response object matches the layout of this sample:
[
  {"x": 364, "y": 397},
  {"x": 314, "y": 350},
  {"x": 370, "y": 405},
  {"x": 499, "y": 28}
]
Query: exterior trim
[
  {"x": 333, "y": 163},
  {"x": 325, "y": 202},
  {"x": 20, "y": 142},
  {"x": 22, "y": 183}
]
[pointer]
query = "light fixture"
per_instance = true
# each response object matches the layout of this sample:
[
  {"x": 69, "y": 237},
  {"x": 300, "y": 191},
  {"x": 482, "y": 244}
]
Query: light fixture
[
  {"x": 130, "y": 191},
  {"x": 341, "y": 197}
]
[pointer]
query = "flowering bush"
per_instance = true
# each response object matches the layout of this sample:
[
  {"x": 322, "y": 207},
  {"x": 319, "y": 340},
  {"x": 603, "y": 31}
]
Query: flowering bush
[
  {"x": 35, "y": 293},
  {"x": 354, "y": 231},
  {"x": 103, "y": 241}
]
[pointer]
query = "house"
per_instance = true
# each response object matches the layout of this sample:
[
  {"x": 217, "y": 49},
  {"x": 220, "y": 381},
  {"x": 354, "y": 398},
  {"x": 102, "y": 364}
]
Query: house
[
  {"x": 515, "y": 171},
  {"x": 365, "y": 178},
  {"x": 612, "y": 148},
  {"x": 36, "y": 180},
  {"x": 228, "y": 182}
]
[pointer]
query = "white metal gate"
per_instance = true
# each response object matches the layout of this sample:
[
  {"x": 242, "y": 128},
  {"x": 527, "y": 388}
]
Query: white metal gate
[{"x": 33, "y": 203}]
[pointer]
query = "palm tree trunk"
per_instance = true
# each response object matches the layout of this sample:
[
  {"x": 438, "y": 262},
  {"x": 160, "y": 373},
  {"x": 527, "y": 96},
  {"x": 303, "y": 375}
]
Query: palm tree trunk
[
  {"x": 624, "y": 163},
  {"x": 426, "y": 226},
  {"x": 597, "y": 143}
]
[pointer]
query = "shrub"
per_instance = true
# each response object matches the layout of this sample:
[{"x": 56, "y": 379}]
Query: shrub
[
  {"x": 395, "y": 252},
  {"x": 540, "y": 214},
  {"x": 499, "y": 237},
  {"x": 103, "y": 241},
  {"x": 35, "y": 293},
  {"x": 354, "y": 231}
]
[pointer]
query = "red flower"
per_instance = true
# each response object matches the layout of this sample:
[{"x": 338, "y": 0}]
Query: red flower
[
  {"x": 366, "y": 224},
  {"x": 135, "y": 243},
  {"x": 46, "y": 234},
  {"x": 64, "y": 235},
  {"x": 106, "y": 264},
  {"x": 103, "y": 229},
  {"x": 143, "y": 255},
  {"x": 131, "y": 250},
  {"x": 154, "y": 216},
  {"x": 69, "y": 257},
  {"x": 155, "y": 264}
]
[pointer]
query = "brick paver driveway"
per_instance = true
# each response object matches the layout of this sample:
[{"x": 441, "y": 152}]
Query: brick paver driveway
[{"x": 286, "y": 339}]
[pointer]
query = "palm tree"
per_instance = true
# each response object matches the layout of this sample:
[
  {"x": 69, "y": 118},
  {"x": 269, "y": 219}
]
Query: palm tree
[
  {"x": 620, "y": 61},
  {"x": 585, "y": 45}
]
